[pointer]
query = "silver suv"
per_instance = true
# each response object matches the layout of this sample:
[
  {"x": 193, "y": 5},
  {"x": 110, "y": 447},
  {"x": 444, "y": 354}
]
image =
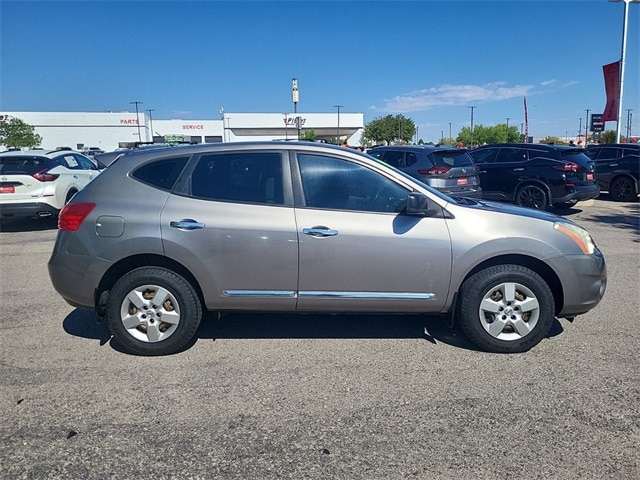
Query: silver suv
[{"x": 163, "y": 235}]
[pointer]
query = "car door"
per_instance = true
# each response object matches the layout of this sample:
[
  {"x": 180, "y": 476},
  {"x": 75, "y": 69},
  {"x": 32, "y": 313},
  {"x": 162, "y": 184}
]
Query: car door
[
  {"x": 501, "y": 170},
  {"x": 233, "y": 227},
  {"x": 357, "y": 250}
]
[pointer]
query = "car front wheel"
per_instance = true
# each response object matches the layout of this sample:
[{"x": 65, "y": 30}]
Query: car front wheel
[
  {"x": 153, "y": 311},
  {"x": 506, "y": 308},
  {"x": 532, "y": 196},
  {"x": 623, "y": 189}
]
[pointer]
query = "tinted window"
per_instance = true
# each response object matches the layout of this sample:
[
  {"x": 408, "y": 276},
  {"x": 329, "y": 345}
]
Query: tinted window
[
  {"x": 161, "y": 173},
  {"x": 395, "y": 158},
  {"x": 452, "y": 158},
  {"x": 510, "y": 155},
  {"x": 23, "y": 165},
  {"x": 254, "y": 177},
  {"x": 485, "y": 155},
  {"x": 341, "y": 185},
  {"x": 411, "y": 158}
]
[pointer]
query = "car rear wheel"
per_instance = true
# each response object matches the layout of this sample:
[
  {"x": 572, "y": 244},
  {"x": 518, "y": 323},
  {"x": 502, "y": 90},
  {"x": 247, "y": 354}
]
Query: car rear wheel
[
  {"x": 506, "y": 308},
  {"x": 532, "y": 196},
  {"x": 153, "y": 311},
  {"x": 623, "y": 189}
]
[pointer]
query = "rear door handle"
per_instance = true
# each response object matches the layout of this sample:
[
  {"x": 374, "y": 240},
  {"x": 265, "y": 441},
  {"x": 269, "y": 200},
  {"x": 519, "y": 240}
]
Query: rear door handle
[
  {"x": 320, "y": 232},
  {"x": 186, "y": 224}
]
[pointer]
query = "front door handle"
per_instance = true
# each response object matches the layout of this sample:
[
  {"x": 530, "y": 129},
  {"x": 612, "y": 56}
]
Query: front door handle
[
  {"x": 186, "y": 224},
  {"x": 320, "y": 232}
]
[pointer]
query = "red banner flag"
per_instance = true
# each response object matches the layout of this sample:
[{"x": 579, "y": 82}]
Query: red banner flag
[{"x": 612, "y": 87}]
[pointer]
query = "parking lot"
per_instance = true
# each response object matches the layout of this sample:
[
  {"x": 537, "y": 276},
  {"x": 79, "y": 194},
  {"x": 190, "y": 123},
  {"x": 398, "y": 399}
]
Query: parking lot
[{"x": 262, "y": 396}]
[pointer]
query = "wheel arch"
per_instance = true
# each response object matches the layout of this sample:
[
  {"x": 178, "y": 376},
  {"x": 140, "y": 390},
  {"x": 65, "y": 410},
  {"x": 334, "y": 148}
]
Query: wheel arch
[
  {"x": 534, "y": 182},
  {"x": 538, "y": 266},
  {"x": 117, "y": 270}
]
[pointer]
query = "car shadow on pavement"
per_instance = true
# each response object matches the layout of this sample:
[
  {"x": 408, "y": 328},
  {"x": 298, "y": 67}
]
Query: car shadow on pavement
[
  {"x": 433, "y": 329},
  {"x": 28, "y": 224}
]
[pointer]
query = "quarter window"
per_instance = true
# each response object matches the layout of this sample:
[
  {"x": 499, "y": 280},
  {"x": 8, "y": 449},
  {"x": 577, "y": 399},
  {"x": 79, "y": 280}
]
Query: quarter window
[
  {"x": 161, "y": 173},
  {"x": 338, "y": 184}
]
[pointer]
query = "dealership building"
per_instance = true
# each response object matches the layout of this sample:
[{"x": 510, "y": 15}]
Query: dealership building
[{"x": 111, "y": 130}]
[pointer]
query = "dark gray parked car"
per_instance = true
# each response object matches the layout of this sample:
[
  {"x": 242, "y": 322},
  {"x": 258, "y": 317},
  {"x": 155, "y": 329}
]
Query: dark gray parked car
[
  {"x": 450, "y": 170},
  {"x": 617, "y": 169},
  {"x": 165, "y": 234}
]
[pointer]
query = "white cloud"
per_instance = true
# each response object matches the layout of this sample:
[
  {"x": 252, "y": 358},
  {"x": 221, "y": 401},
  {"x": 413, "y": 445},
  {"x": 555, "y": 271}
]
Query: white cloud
[{"x": 452, "y": 95}]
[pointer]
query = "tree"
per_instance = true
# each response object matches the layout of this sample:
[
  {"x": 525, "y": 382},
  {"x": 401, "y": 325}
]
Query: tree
[
  {"x": 309, "y": 136},
  {"x": 608, "y": 136},
  {"x": 17, "y": 134},
  {"x": 390, "y": 129}
]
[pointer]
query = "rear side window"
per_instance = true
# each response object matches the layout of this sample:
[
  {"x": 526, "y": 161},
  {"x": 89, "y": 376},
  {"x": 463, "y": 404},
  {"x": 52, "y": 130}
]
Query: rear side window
[
  {"x": 452, "y": 159},
  {"x": 253, "y": 177},
  {"x": 394, "y": 158},
  {"x": 161, "y": 173},
  {"x": 22, "y": 165}
]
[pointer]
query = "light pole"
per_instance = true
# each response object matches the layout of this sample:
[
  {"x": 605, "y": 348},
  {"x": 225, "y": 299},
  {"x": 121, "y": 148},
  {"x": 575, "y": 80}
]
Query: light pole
[
  {"x": 151, "y": 122},
  {"x": 622, "y": 61},
  {"x": 449, "y": 129},
  {"x": 629, "y": 124},
  {"x": 580, "y": 129},
  {"x": 137, "y": 118},
  {"x": 473, "y": 107},
  {"x": 338, "y": 133},
  {"x": 586, "y": 127},
  {"x": 508, "y": 118}
]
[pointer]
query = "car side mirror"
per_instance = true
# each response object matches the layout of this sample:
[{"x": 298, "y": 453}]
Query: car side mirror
[{"x": 417, "y": 204}]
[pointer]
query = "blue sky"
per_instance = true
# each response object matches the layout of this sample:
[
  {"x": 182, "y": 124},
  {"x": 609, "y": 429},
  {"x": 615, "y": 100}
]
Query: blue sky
[{"x": 428, "y": 60}]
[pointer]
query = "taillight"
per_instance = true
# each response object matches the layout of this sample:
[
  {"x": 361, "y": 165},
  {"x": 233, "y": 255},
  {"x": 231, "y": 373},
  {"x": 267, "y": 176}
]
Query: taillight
[
  {"x": 434, "y": 171},
  {"x": 567, "y": 167},
  {"x": 73, "y": 214},
  {"x": 44, "y": 176}
]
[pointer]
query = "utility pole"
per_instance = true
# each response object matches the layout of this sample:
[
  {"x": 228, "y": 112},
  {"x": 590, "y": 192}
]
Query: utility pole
[
  {"x": 508, "y": 118},
  {"x": 473, "y": 107},
  {"x": 338, "y": 134},
  {"x": 586, "y": 127},
  {"x": 137, "y": 118}
]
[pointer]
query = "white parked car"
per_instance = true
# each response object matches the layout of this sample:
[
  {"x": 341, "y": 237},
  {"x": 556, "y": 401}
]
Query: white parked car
[{"x": 38, "y": 183}]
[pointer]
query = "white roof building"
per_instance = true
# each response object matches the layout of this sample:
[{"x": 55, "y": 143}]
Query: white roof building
[{"x": 112, "y": 130}]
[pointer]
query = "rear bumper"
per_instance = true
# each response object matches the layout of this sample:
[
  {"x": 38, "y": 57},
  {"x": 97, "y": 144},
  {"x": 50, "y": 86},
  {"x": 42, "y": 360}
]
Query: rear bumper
[
  {"x": 579, "y": 193},
  {"x": 36, "y": 209}
]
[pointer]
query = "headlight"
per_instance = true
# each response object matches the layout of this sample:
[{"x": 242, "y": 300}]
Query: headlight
[{"x": 578, "y": 235}]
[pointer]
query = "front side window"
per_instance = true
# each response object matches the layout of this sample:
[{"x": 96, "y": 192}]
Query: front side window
[
  {"x": 253, "y": 177},
  {"x": 338, "y": 184},
  {"x": 485, "y": 155}
]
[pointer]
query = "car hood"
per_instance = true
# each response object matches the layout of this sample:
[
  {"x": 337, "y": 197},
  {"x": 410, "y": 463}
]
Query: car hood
[{"x": 506, "y": 208}]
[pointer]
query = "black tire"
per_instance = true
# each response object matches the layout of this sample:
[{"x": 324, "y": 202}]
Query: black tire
[
  {"x": 532, "y": 196},
  {"x": 623, "y": 189},
  {"x": 151, "y": 325},
  {"x": 506, "y": 309}
]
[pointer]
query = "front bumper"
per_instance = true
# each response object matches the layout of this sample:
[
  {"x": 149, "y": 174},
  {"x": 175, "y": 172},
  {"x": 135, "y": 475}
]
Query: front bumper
[{"x": 584, "y": 280}]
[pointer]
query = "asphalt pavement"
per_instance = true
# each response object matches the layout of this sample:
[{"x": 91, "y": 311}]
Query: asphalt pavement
[{"x": 271, "y": 396}]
